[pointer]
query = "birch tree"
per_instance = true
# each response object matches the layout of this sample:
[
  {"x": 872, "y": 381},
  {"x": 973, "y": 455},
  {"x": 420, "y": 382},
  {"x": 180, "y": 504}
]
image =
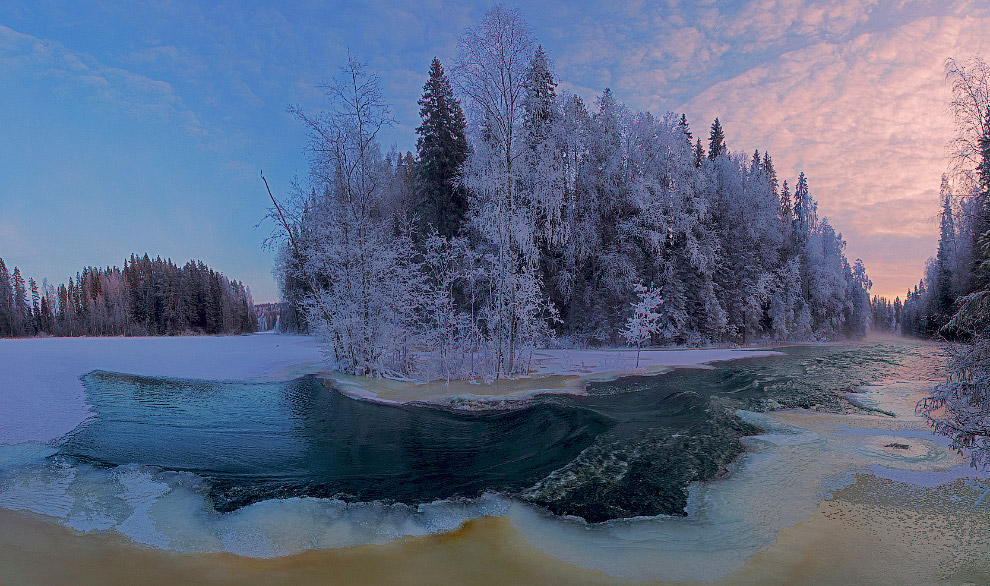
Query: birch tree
[
  {"x": 355, "y": 254},
  {"x": 490, "y": 73}
]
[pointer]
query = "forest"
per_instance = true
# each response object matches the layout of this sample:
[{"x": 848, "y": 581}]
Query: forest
[
  {"x": 148, "y": 297},
  {"x": 951, "y": 303},
  {"x": 528, "y": 217}
]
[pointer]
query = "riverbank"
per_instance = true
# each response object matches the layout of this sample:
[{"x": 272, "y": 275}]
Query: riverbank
[
  {"x": 817, "y": 498},
  {"x": 861, "y": 535}
]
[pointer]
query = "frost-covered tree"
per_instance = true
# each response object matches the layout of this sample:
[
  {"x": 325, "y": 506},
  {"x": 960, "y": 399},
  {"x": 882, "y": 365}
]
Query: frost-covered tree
[
  {"x": 450, "y": 330},
  {"x": 569, "y": 207},
  {"x": 716, "y": 141},
  {"x": 960, "y": 407},
  {"x": 493, "y": 61},
  {"x": 645, "y": 320},
  {"x": 352, "y": 249},
  {"x": 442, "y": 146}
]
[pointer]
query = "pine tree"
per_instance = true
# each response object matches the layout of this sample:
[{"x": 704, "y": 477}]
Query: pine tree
[
  {"x": 6, "y": 303},
  {"x": 716, "y": 141},
  {"x": 443, "y": 148},
  {"x": 699, "y": 154},
  {"x": 21, "y": 314}
]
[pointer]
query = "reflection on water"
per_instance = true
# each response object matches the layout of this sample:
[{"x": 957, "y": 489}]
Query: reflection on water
[{"x": 808, "y": 473}]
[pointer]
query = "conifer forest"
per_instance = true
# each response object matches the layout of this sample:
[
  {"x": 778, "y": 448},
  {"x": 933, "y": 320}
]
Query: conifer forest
[
  {"x": 148, "y": 297},
  {"x": 529, "y": 217}
]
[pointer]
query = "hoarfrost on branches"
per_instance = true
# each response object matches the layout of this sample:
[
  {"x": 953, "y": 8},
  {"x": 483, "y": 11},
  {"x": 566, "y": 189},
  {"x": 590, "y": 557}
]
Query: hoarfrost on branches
[
  {"x": 569, "y": 206},
  {"x": 645, "y": 320}
]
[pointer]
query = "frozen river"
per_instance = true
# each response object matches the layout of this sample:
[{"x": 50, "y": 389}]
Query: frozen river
[{"x": 263, "y": 465}]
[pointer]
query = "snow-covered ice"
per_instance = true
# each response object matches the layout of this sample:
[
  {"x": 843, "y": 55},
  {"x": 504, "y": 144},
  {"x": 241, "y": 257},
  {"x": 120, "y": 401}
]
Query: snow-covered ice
[
  {"x": 42, "y": 398},
  {"x": 623, "y": 361}
]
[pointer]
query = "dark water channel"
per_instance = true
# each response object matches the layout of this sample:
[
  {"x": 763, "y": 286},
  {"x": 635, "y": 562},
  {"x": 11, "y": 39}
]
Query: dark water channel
[{"x": 630, "y": 447}]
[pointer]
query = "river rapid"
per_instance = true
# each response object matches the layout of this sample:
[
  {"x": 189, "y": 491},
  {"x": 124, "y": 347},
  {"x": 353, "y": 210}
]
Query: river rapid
[{"x": 732, "y": 472}]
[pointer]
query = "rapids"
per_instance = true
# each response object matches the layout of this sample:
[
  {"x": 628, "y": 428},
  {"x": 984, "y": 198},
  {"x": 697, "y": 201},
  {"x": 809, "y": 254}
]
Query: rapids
[{"x": 694, "y": 471}]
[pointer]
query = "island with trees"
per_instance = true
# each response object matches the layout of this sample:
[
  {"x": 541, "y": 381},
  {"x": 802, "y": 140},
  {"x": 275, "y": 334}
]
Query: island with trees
[{"x": 529, "y": 217}]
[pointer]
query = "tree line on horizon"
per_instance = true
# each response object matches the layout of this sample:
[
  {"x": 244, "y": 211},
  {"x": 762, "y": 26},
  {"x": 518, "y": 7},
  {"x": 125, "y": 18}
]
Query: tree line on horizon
[
  {"x": 147, "y": 297},
  {"x": 952, "y": 301},
  {"x": 529, "y": 217},
  {"x": 960, "y": 270}
]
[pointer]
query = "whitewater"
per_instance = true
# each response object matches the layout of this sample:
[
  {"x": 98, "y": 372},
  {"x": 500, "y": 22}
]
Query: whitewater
[{"x": 803, "y": 462}]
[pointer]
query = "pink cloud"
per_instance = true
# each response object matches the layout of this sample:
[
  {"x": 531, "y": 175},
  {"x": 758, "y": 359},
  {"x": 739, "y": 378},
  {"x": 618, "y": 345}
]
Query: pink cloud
[{"x": 866, "y": 119}]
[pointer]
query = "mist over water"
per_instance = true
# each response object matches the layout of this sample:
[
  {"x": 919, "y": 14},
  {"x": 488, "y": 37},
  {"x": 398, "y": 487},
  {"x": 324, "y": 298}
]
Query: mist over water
[{"x": 269, "y": 469}]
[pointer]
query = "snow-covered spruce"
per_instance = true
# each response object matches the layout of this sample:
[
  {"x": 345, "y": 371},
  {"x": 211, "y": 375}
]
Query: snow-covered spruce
[{"x": 569, "y": 207}]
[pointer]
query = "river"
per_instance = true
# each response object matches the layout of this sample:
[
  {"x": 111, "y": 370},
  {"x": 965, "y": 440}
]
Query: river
[{"x": 748, "y": 470}]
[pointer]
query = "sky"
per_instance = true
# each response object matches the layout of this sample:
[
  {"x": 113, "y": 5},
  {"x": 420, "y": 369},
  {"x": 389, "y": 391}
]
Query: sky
[{"x": 143, "y": 126}]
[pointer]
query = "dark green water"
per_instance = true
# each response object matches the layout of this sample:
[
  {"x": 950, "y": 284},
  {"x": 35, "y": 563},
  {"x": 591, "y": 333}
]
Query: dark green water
[{"x": 628, "y": 448}]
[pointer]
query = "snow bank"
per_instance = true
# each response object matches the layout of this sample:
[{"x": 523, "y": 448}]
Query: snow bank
[
  {"x": 622, "y": 362},
  {"x": 550, "y": 371}
]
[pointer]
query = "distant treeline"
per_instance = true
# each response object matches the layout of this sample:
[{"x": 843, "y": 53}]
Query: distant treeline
[
  {"x": 268, "y": 315},
  {"x": 147, "y": 297}
]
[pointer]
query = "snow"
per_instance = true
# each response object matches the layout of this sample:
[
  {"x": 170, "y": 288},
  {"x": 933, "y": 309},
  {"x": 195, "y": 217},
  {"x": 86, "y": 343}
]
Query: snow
[
  {"x": 623, "y": 361},
  {"x": 42, "y": 398}
]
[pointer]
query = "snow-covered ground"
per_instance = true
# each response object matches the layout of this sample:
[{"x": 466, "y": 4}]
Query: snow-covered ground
[
  {"x": 42, "y": 398},
  {"x": 613, "y": 362}
]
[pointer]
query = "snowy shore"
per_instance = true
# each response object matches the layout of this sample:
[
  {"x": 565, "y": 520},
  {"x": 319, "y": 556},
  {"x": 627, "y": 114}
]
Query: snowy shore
[{"x": 42, "y": 398}]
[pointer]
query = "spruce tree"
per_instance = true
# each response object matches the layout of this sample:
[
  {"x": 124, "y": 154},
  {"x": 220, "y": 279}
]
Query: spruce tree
[
  {"x": 771, "y": 173},
  {"x": 787, "y": 218},
  {"x": 699, "y": 154},
  {"x": 35, "y": 305},
  {"x": 716, "y": 141},
  {"x": 944, "y": 294},
  {"x": 442, "y": 147},
  {"x": 803, "y": 220},
  {"x": 540, "y": 97},
  {"x": 682, "y": 124}
]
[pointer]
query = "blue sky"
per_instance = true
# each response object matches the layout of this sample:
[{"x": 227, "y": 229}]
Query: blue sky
[{"x": 142, "y": 126}]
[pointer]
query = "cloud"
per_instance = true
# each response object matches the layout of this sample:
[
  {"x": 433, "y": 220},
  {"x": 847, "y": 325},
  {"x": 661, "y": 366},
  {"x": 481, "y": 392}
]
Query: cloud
[
  {"x": 866, "y": 119},
  {"x": 75, "y": 74}
]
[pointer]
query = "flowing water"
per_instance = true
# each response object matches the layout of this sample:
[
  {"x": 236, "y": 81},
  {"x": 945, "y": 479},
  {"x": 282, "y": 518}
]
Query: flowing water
[{"x": 682, "y": 476}]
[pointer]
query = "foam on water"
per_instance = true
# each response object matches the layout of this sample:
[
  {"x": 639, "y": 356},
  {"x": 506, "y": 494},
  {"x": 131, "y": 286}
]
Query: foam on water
[
  {"x": 171, "y": 510},
  {"x": 801, "y": 459}
]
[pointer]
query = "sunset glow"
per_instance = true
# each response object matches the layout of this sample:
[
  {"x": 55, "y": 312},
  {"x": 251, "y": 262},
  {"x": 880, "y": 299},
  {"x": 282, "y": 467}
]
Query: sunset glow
[{"x": 161, "y": 116}]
